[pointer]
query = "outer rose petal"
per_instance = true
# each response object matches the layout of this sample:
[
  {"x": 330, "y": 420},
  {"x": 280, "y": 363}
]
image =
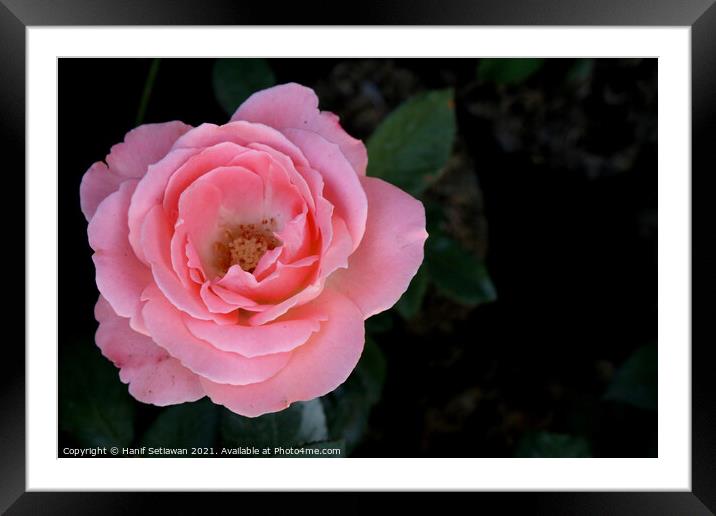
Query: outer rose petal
[
  {"x": 142, "y": 146},
  {"x": 153, "y": 376},
  {"x": 391, "y": 252},
  {"x": 121, "y": 277},
  {"x": 150, "y": 192},
  {"x": 167, "y": 327},
  {"x": 294, "y": 106},
  {"x": 97, "y": 183},
  {"x": 316, "y": 368}
]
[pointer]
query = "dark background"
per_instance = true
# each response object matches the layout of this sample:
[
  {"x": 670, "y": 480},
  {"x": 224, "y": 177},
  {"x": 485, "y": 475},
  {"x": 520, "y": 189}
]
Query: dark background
[{"x": 553, "y": 181}]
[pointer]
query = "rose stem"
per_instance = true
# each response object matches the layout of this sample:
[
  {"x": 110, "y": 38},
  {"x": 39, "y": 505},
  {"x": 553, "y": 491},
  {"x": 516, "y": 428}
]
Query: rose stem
[{"x": 148, "y": 85}]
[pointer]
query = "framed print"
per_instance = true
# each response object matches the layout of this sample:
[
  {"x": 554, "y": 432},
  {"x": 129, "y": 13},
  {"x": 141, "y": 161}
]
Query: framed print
[{"x": 448, "y": 251}]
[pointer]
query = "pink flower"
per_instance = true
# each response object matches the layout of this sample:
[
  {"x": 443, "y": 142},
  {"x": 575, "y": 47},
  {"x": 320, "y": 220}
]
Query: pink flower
[{"x": 240, "y": 261}]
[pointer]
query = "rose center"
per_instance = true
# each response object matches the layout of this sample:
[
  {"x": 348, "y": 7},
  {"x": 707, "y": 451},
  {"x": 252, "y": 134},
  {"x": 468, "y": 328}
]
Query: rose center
[{"x": 244, "y": 245}]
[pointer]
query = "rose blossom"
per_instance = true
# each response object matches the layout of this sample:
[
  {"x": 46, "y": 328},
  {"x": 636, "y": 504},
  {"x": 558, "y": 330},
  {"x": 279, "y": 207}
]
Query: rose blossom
[{"x": 240, "y": 261}]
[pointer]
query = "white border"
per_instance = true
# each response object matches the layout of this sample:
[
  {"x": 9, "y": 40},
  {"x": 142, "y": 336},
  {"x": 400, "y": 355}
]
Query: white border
[{"x": 670, "y": 471}]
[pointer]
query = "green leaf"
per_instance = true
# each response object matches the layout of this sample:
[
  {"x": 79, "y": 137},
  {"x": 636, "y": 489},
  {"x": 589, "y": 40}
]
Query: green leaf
[
  {"x": 507, "y": 71},
  {"x": 456, "y": 272},
  {"x": 95, "y": 407},
  {"x": 635, "y": 382},
  {"x": 235, "y": 80},
  {"x": 410, "y": 302},
  {"x": 302, "y": 423},
  {"x": 184, "y": 426},
  {"x": 412, "y": 145},
  {"x": 348, "y": 407},
  {"x": 547, "y": 444}
]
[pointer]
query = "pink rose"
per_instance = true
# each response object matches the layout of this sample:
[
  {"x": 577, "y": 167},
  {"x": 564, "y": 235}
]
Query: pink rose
[{"x": 240, "y": 261}]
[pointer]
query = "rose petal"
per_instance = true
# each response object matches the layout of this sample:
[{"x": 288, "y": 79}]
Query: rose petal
[
  {"x": 290, "y": 170},
  {"x": 316, "y": 368},
  {"x": 286, "y": 280},
  {"x": 206, "y": 206},
  {"x": 143, "y": 146},
  {"x": 150, "y": 192},
  {"x": 391, "y": 252},
  {"x": 270, "y": 312},
  {"x": 193, "y": 261},
  {"x": 320, "y": 212},
  {"x": 242, "y": 133},
  {"x": 253, "y": 341},
  {"x": 166, "y": 325},
  {"x": 228, "y": 296},
  {"x": 268, "y": 261},
  {"x": 217, "y": 304},
  {"x": 321, "y": 220},
  {"x": 341, "y": 245},
  {"x": 195, "y": 167},
  {"x": 121, "y": 277},
  {"x": 97, "y": 183},
  {"x": 153, "y": 376},
  {"x": 294, "y": 106},
  {"x": 156, "y": 236},
  {"x": 281, "y": 284},
  {"x": 167, "y": 179},
  {"x": 282, "y": 199},
  {"x": 341, "y": 188}
]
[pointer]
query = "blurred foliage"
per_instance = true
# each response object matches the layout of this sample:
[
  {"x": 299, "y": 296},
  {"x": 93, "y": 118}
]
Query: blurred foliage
[
  {"x": 456, "y": 272},
  {"x": 236, "y": 79},
  {"x": 591, "y": 117},
  {"x": 184, "y": 426},
  {"x": 408, "y": 306},
  {"x": 97, "y": 411},
  {"x": 410, "y": 149},
  {"x": 338, "y": 419},
  {"x": 411, "y": 146},
  {"x": 300, "y": 424},
  {"x": 95, "y": 406},
  {"x": 379, "y": 323},
  {"x": 636, "y": 381},
  {"x": 348, "y": 407},
  {"x": 547, "y": 444},
  {"x": 580, "y": 71},
  {"x": 507, "y": 71}
]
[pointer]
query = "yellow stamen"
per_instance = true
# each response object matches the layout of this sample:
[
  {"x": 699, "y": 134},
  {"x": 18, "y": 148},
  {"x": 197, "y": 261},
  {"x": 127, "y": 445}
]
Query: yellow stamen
[{"x": 244, "y": 245}]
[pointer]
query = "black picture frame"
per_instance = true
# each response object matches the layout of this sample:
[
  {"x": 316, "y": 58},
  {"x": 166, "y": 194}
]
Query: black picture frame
[{"x": 17, "y": 15}]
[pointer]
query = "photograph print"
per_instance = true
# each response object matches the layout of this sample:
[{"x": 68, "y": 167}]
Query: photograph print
[{"x": 307, "y": 257}]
